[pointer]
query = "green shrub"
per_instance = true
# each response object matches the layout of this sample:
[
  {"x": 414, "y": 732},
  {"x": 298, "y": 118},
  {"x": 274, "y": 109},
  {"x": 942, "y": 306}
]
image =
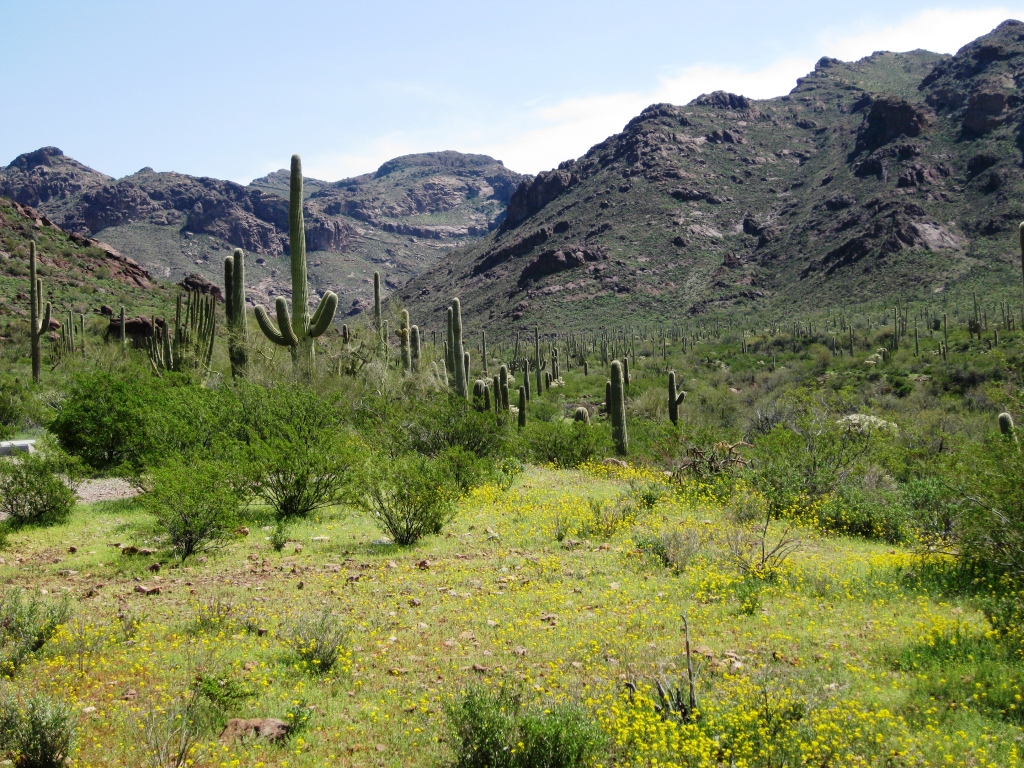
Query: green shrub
[
  {"x": 491, "y": 728},
  {"x": 451, "y": 422},
  {"x": 11, "y": 408},
  {"x": 26, "y": 625},
  {"x": 565, "y": 443},
  {"x": 319, "y": 642},
  {"x": 852, "y": 512},
  {"x": 196, "y": 502},
  {"x": 39, "y": 733},
  {"x": 35, "y": 488},
  {"x": 102, "y": 417},
  {"x": 300, "y": 459},
  {"x": 990, "y": 528},
  {"x": 408, "y": 497}
]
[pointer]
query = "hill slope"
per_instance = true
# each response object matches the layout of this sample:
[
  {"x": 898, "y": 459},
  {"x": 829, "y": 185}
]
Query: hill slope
[
  {"x": 79, "y": 274},
  {"x": 398, "y": 220},
  {"x": 897, "y": 175}
]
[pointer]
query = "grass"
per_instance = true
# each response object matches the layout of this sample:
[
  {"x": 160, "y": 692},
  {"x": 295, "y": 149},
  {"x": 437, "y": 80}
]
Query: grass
[{"x": 842, "y": 650}]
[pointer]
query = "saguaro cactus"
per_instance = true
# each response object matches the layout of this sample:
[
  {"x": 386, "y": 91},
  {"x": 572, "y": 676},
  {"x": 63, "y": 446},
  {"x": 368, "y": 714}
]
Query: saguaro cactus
[
  {"x": 39, "y": 319},
  {"x": 414, "y": 347},
  {"x": 617, "y": 408},
  {"x": 405, "y": 339},
  {"x": 581, "y": 414},
  {"x": 674, "y": 399},
  {"x": 1006, "y": 427},
  {"x": 522, "y": 407},
  {"x": 449, "y": 344},
  {"x": 234, "y": 308},
  {"x": 483, "y": 349},
  {"x": 458, "y": 351},
  {"x": 502, "y": 392},
  {"x": 297, "y": 331},
  {"x": 377, "y": 321}
]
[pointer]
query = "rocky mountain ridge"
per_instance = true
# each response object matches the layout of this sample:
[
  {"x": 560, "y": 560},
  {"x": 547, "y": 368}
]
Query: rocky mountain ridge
[
  {"x": 176, "y": 224},
  {"x": 895, "y": 176}
]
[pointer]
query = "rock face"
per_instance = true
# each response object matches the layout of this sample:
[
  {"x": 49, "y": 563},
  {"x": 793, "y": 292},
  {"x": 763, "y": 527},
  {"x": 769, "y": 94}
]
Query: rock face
[
  {"x": 890, "y": 176},
  {"x": 890, "y": 118}
]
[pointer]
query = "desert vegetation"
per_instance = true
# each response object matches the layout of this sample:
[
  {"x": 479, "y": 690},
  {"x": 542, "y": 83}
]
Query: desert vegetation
[{"x": 736, "y": 540}]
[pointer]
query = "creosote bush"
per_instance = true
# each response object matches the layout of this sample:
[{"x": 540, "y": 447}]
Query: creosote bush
[
  {"x": 197, "y": 503},
  {"x": 409, "y": 497}
]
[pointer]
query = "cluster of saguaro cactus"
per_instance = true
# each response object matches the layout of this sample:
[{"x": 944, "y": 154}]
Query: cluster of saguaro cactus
[
  {"x": 66, "y": 341},
  {"x": 297, "y": 330},
  {"x": 234, "y": 309},
  {"x": 616, "y": 405},
  {"x": 191, "y": 344},
  {"x": 39, "y": 318},
  {"x": 674, "y": 399},
  {"x": 481, "y": 395}
]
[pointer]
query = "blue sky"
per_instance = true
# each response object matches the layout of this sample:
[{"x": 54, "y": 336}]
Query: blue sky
[{"x": 231, "y": 89}]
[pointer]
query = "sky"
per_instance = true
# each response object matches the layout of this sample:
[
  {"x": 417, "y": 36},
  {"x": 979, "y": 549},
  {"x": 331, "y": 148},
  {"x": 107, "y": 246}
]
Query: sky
[{"x": 232, "y": 88}]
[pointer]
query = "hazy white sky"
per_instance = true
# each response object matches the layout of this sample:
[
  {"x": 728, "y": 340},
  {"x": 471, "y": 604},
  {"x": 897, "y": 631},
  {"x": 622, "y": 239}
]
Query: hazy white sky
[{"x": 231, "y": 88}]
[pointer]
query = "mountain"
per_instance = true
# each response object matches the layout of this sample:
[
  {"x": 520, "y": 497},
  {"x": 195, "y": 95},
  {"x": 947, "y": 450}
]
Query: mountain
[
  {"x": 399, "y": 220},
  {"x": 896, "y": 176}
]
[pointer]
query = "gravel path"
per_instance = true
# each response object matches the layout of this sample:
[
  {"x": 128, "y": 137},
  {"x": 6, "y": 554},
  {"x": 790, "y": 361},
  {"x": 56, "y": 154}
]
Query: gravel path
[{"x": 106, "y": 489}]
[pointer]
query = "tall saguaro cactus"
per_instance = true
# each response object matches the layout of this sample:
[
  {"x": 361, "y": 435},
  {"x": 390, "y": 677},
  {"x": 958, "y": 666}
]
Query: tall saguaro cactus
[
  {"x": 297, "y": 330},
  {"x": 617, "y": 408},
  {"x": 405, "y": 338},
  {"x": 39, "y": 318},
  {"x": 458, "y": 351},
  {"x": 234, "y": 308},
  {"x": 377, "y": 318},
  {"x": 674, "y": 399}
]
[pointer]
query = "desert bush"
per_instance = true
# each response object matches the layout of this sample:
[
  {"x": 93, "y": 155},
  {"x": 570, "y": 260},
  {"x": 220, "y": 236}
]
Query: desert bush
[
  {"x": 26, "y": 625},
  {"x": 11, "y": 408},
  {"x": 170, "y": 732},
  {"x": 318, "y": 642},
  {"x": 451, "y": 422},
  {"x": 465, "y": 468},
  {"x": 990, "y": 482},
  {"x": 812, "y": 456},
  {"x": 299, "y": 456},
  {"x": 196, "y": 502},
  {"x": 38, "y": 488},
  {"x": 852, "y": 511},
  {"x": 565, "y": 443},
  {"x": 101, "y": 417},
  {"x": 409, "y": 497},
  {"x": 492, "y": 728},
  {"x": 38, "y": 733},
  {"x": 674, "y": 548}
]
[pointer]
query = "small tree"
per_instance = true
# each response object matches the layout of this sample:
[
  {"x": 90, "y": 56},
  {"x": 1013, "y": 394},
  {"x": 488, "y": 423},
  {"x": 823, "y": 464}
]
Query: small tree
[
  {"x": 197, "y": 502},
  {"x": 37, "y": 488},
  {"x": 409, "y": 497}
]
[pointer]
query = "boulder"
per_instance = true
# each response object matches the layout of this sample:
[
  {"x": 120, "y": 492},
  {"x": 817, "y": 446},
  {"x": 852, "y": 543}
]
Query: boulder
[{"x": 269, "y": 728}]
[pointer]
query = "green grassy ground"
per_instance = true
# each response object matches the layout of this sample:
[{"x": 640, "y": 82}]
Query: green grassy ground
[{"x": 847, "y": 653}]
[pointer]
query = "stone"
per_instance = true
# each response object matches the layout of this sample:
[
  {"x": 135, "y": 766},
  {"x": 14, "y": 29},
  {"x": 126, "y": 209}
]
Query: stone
[
  {"x": 269, "y": 728},
  {"x": 10, "y": 447}
]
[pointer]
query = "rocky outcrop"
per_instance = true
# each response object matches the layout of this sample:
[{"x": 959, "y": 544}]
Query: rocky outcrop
[
  {"x": 558, "y": 260},
  {"x": 532, "y": 196},
  {"x": 199, "y": 284},
  {"x": 888, "y": 119}
]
